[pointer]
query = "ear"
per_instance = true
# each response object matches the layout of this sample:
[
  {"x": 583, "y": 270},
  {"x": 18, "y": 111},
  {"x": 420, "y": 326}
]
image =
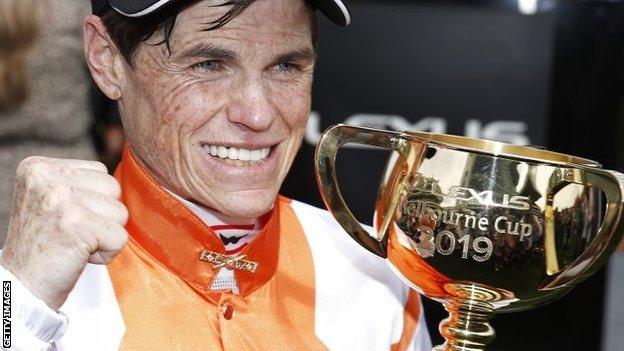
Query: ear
[{"x": 105, "y": 62}]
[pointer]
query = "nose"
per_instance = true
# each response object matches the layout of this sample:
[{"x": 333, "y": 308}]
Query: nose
[{"x": 252, "y": 108}]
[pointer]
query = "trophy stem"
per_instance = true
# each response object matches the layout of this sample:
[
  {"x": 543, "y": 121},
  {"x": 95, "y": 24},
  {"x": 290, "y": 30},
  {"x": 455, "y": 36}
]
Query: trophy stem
[{"x": 467, "y": 327}]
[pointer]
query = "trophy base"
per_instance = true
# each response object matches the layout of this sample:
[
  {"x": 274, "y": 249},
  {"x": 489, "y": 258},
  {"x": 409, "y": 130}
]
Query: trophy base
[{"x": 467, "y": 327}]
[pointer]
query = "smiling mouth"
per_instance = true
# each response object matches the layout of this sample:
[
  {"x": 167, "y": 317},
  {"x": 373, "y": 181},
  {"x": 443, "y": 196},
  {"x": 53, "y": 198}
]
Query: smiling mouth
[{"x": 237, "y": 156}]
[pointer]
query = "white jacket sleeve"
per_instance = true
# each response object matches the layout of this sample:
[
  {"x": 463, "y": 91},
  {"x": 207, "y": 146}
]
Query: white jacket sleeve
[
  {"x": 421, "y": 340},
  {"x": 33, "y": 325}
]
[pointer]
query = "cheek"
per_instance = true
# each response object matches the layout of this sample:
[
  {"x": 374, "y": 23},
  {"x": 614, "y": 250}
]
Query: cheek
[
  {"x": 295, "y": 113},
  {"x": 179, "y": 108},
  {"x": 297, "y": 123},
  {"x": 295, "y": 106},
  {"x": 162, "y": 114}
]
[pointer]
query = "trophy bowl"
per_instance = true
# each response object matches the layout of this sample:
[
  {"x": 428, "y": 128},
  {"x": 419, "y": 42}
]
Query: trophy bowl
[{"x": 480, "y": 226}]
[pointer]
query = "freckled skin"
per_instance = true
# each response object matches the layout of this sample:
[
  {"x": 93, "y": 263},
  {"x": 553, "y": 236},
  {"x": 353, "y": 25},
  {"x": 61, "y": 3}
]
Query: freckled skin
[
  {"x": 170, "y": 108},
  {"x": 67, "y": 213}
]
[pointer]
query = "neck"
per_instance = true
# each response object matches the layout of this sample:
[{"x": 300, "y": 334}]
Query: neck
[{"x": 210, "y": 216}]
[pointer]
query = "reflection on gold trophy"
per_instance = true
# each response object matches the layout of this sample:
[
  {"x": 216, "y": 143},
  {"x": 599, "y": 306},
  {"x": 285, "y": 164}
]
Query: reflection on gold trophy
[{"x": 483, "y": 227}]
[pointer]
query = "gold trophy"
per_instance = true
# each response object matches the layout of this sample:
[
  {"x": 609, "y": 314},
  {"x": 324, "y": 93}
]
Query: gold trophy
[{"x": 483, "y": 227}]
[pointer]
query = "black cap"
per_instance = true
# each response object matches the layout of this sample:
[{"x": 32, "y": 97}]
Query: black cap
[{"x": 335, "y": 10}]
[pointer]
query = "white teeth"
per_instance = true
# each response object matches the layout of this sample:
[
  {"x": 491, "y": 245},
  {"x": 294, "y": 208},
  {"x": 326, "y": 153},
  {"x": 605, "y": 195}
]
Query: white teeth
[
  {"x": 223, "y": 152},
  {"x": 244, "y": 155},
  {"x": 233, "y": 153},
  {"x": 256, "y": 155}
]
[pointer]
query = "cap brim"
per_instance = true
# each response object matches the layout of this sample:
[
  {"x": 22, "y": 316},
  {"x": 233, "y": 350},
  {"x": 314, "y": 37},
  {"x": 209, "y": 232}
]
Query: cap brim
[
  {"x": 335, "y": 10},
  {"x": 137, "y": 8}
]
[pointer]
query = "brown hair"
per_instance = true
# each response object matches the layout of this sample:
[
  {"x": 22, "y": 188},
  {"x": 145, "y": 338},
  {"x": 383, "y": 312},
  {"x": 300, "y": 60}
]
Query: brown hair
[{"x": 18, "y": 31}]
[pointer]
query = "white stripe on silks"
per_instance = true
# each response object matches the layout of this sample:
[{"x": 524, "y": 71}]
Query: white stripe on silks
[{"x": 348, "y": 277}]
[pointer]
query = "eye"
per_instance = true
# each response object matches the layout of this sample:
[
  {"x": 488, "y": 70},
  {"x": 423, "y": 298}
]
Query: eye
[
  {"x": 208, "y": 65},
  {"x": 285, "y": 67}
]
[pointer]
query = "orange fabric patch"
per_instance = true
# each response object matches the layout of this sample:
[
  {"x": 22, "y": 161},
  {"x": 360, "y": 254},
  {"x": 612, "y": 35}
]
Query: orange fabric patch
[
  {"x": 162, "y": 287},
  {"x": 415, "y": 269},
  {"x": 411, "y": 316}
]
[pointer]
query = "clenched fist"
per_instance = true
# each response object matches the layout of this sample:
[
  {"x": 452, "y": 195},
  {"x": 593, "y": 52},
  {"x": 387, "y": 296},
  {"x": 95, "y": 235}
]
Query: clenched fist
[{"x": 66, "y": 213}]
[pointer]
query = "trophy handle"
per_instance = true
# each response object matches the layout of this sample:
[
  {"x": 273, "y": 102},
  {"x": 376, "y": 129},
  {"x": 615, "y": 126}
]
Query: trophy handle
[
  {"x": 325, "y": 161},
  {"x": 609, "y": 234}
]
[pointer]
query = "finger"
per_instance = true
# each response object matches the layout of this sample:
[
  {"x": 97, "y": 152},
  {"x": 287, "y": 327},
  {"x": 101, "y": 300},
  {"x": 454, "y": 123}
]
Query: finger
[
  {"x": 103, "y": 206},
  {"x": 87, "y": 179},
  {"x": 37, "y": 161},
  {"x": 95, "y": 232},
  {"x": 111, "y": 236},
  {"x": 108, "y": 238},
  {"x": 102, "y": 258},
  {"x": 81, "y": 164}
]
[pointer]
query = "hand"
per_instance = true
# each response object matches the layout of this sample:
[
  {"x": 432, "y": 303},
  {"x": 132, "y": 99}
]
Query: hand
[{"x": 65, "y": 214}]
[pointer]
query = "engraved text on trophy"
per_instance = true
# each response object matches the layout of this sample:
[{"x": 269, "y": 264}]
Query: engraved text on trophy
[{"x": 463, "y": 219}]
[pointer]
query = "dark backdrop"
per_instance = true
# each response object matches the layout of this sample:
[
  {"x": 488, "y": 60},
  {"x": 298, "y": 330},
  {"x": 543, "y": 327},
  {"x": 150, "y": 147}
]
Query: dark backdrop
[{"x": 548, "y": 74}]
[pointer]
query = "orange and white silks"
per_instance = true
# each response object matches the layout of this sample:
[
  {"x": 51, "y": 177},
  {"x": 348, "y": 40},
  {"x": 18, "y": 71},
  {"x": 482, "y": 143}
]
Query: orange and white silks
[{"x": 313, "y": 289}]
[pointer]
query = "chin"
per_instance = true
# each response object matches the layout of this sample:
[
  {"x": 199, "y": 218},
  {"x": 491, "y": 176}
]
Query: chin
[{"x": 248, "y": 205}]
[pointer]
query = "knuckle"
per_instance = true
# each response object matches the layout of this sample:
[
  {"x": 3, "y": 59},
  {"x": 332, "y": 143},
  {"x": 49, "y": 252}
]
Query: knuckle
[
  {"x": 39, "y": 168},
  {"x": 30, "y": 181},
  {"x": 102, "y": 167},
  {"x": 71, "y": 220},
  {"x": 96, "y": 166},
  {"x": 123, "y": 214},
  {"x": 55, "y": 195},
  {"x": 28, "y": 162},
  {"x": 31, "y": 166},
  {"x": 122, "y": 239},
  {"x": 113, "y": 238},
  {"x": 113, "y": 187}
]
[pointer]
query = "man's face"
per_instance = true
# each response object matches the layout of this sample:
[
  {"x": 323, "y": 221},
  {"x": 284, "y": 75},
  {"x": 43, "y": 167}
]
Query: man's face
[{"x": 220, "y": 119}]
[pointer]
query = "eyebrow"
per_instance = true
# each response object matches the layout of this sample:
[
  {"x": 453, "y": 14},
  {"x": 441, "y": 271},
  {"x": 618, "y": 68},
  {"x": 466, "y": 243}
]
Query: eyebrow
[
  {"x": 205, "y": 50},
  {"x": 302, "y": 55},
  {"x": 209, "y": 51}
]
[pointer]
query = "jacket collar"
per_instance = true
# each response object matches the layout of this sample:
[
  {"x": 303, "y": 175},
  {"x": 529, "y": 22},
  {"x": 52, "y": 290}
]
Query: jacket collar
[{"x": 175, "y": 237}]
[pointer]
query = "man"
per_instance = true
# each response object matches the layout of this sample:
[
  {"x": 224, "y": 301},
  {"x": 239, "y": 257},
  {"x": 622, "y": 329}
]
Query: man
[{"x": 214, "y": 98}]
